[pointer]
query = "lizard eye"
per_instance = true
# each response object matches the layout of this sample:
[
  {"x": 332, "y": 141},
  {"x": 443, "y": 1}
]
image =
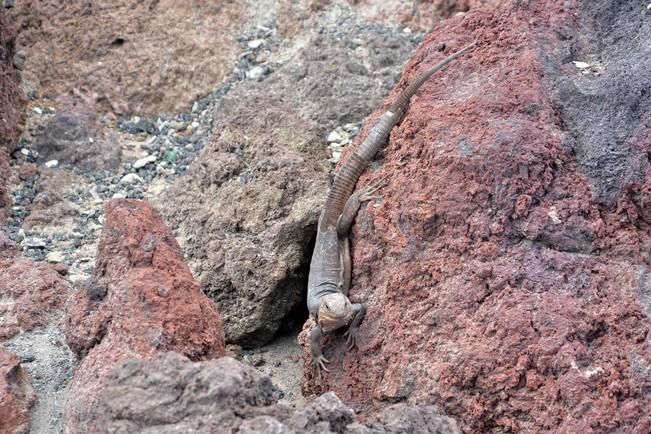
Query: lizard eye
[{"x": 327, "y": 306}]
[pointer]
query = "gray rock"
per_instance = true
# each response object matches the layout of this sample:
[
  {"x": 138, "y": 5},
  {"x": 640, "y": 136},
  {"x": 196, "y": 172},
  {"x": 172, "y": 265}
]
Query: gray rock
[
  {"x": 73, "y": 136},
  {"x": 171, "y": 394},
  {"x": 249, "y": 208}
]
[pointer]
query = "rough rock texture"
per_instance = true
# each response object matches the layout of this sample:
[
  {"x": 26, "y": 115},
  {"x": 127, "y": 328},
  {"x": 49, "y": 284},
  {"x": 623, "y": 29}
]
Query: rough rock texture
[
  {"x": 12, "y": 102},
  {"x": 418, "y": 15},
  {"x": 248, "y": 209},
  {"x": 29, "y": 291},
  {"x": 140, "y": 300},
  {"x": 16, "y": 395},
  {"x": 131, "y": 56},
  {"x": 507, "y": 271},
  {"x": 172, "y": 394},
  {"x": 74, "y": 136}
]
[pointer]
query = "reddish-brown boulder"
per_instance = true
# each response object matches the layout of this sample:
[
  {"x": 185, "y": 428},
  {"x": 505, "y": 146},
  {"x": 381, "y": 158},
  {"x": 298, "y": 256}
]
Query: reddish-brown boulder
[
  {"x": 129, "y": 56},
  {"x": 30, "y": 292},
  {"x": 507, "y": 270},
  {"x": 140, "y": 300},
  {"x": 16, "y": 395}
]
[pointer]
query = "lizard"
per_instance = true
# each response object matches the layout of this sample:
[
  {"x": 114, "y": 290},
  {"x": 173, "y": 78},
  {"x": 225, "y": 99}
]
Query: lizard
[{"x": 329, "y": 277}]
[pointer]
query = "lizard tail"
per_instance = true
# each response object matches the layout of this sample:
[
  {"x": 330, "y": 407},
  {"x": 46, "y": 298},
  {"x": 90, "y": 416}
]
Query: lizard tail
[
  {"x": 401, "y": 103},
  {"x": 347, "y": 177}
]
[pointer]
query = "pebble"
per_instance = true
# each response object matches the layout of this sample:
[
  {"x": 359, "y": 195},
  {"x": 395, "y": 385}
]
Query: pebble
[
  {"x": 333, "y": 137},
  {"x": 256, "y": 43},
  {"x": 34, "y": 242},
  {"x": 52, "y": 163},
  {"x": 118, "y": 196},
  {"x": 144, "y": 161},
  {"x": 256, "y": 73},
  {"x": 24, "y": 151},
  {"x": 55, "y": 257},
  {"x": 131, "y": 178}
]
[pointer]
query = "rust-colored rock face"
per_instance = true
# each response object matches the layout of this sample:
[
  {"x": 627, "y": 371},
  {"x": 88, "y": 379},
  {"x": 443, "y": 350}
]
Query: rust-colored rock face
[
  {"x": 507, "y": 271},
  {"x": 141, "y": 300},
  {"x": 132, "y": 56},
  {"x": 12, "y": 102},
  {"x": 29, "y": 292},
  {"x": 16, "y": 395}
]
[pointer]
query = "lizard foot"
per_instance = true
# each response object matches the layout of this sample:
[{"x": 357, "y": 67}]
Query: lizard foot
[
  {"x": 368, "y": 192},
  {"x": 319, "y": 365},
  {"x": 351, "y": 338}
]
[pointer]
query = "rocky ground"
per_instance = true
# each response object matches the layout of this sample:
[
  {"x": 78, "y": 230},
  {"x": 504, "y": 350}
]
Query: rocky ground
[{"x": 505, "y": 273}]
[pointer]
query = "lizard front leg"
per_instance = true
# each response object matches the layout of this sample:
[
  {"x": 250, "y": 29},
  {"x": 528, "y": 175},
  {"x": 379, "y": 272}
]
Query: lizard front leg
[
  {"x": 318, "y": 361},
  {"x": 353, "y": 203},
  {"x": 358, "y": 315}
]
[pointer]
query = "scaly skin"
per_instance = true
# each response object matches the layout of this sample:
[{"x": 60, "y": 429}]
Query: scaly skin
[{"x": 330, "y": 269}]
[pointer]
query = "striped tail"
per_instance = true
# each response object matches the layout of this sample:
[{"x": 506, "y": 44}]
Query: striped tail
[{"x": 347, "y": 177}]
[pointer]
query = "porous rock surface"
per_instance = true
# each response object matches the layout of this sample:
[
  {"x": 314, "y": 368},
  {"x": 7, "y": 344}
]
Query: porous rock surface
[
  {"x": 74, "y": 136},
  {"x": 128, "y": 55},
  {"x": 247, "y": 211},
  {"x": 420, "y": 15},
  {"x": 506, "y": 271},
  {"x": 30, "y": 292},
  {"x": 16, "y": 395},
  {"x": 12, "y": 102},
  {"x": 172, "y": 394},
  {"x": 140, "y": 300}
]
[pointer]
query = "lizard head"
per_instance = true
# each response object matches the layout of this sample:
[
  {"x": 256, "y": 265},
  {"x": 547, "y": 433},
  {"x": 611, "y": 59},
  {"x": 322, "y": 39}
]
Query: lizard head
[{"x": 334, "y": 311}]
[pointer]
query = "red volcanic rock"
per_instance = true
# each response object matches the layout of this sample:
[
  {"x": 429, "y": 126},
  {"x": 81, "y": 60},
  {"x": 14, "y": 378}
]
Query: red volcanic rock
[
  {"x": 141, "y": 300},
  {"x": 507, "y": 272},
  {"x": 29, "y": 290},
  {"x": 16, "y": 395}
]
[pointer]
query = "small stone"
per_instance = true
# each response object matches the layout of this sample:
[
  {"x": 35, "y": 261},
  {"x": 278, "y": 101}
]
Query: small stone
[
  {"x": 24, "y": 151},
  {"x": 256, "y": 73},
  {"x": 256, "y": 43},
  {"x": 334, "y": 137},
  {"x": 581, "y": 65},
  {"x": 38, "y": 110},
  {"x": 131, "y": 178},
  {"x": 144, "y": 161},
  {"x": 19, "y": 60},
  {"x": 118, "y": 196},
  {"x": 52, "y": 163},
  {"x": 34, "y": 242},
  {"x": 178, "y": 125},
  {"x": 55, "y": 257}
]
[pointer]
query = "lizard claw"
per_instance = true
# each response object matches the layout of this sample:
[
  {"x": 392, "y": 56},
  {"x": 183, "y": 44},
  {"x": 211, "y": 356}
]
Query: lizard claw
[
  {"x": 319, "y": 365},
  {"x": 368, "y": 191},
  {"x": 351, "y": 341}
]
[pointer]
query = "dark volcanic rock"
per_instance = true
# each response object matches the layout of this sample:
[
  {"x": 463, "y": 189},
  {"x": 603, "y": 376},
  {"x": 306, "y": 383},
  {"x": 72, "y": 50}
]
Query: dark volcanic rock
[
  {"x": 506, "y": 273},
  {"x": 140, "y": 300},
  {"x": 12, "y": 99},
  {"x": 247, "y": 211},
  {"x": 16, "y": 395},
  {"x": 12, "y": 102},
  {"x": 74, "y": 136},
  {"x": 172, "y": 394}
]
